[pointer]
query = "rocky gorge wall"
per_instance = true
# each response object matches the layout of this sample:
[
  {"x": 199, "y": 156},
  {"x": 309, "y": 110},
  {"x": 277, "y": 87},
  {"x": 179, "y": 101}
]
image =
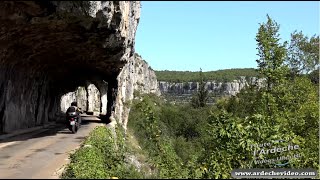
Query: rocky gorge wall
[
  {"x": 49, "y": 48},
  {"x": 145, "y": 79},
  {"x": 136, "y": 75},
  {"x": 186, "y": 89}
]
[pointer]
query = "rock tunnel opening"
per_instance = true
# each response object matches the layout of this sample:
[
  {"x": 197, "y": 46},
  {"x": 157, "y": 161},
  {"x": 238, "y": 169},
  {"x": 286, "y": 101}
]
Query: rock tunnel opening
[
  {"x": 89, "y": 98},
  {"x": 32, "y": 92},
  {"x": 49, "y": 49},
  {"x": 94, "y": 95}
]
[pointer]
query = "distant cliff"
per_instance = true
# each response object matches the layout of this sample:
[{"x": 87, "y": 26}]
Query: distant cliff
[
  {"x": 222, "y": 75},
  {"x": 186, "y": 89}
]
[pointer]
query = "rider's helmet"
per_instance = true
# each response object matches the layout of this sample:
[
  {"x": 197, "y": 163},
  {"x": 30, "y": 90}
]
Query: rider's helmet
[{"x": 74, "y": 103}]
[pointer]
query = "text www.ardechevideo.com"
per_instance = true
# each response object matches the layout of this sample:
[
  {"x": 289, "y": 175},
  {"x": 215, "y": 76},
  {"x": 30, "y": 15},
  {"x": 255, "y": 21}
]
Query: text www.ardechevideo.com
[{"x": 274, "y": 173}]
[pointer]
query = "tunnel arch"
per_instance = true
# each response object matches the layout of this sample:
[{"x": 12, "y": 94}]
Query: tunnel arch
[
  {"x": 49, "y": 49},
  {"x": 106, "y": 97}
]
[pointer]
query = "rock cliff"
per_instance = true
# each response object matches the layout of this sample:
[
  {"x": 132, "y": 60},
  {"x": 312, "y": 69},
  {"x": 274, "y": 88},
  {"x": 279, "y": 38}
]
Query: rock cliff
[
  {"x": 145, "y": 78},
  {"x": 186, "y": 89},
  {"x": 49, "y": 48},
  {"x": 135, "y": 75}
]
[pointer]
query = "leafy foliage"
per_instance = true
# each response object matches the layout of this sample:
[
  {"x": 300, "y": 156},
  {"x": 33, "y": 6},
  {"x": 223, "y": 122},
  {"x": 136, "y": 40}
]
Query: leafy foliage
[
  {"x": 160, "y": 147},
  {"x": 303, "y": 53},
  {"x": 272, "y": 53},
  {"x": 314, "y": 76},
  {"x": 284, "y": 109},
  {"x": 200, "y": 98},
  {"x": 225, "y": 75},
  {"x": 100, "y": 158},
  {"x": 170, "y": 134}
]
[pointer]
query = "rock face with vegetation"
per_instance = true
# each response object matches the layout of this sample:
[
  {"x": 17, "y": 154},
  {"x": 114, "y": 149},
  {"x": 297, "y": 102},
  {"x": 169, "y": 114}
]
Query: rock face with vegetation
[
  {"x": 186, "y": 89},
  {"x": 145, "y": 77},
  {"x": 136, "y": 75},
  {"x": 49, "y": 48},
  {"x": 181, "y": 85},
  {"x": 228, "y": 88}
]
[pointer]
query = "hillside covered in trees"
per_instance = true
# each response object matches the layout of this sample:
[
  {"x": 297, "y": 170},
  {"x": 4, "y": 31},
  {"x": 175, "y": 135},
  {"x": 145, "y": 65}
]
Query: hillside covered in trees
[{"x": 225, "y": 75}]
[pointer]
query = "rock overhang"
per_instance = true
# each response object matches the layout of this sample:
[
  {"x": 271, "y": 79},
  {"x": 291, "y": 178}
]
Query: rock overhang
[
  {"x": 61, "y": 38},
  {"x": 48, "y": 48}
]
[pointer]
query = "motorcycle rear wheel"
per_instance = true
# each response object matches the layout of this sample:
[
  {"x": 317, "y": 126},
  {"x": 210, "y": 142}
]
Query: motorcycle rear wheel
[{"x": 74, "y": 129}]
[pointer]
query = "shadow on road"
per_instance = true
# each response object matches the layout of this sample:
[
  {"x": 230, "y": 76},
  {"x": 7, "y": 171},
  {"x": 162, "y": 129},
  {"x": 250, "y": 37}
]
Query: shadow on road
[{"x": 53, "y": 130}]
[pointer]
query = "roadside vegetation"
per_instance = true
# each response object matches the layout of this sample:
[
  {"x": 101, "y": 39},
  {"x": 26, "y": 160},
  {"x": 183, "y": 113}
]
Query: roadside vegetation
[{"x": 101, "y": 156}]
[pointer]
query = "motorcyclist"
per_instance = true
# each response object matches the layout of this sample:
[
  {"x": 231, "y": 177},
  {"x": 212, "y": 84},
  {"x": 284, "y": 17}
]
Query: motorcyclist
[{"x": 75, "y": 108}]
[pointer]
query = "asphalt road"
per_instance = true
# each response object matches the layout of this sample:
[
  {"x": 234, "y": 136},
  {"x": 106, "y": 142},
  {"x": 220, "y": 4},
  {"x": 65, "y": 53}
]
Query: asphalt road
[{"x": 42, "y": 153}]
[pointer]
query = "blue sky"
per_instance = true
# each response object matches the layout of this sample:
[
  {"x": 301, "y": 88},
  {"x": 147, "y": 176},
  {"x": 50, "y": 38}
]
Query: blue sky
[{"x": 212, "y": 35}]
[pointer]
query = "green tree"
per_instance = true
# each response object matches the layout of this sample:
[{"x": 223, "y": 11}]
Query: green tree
[
  {"x": 283, "y": 109},
  {"x": 271, "y": 62},
  {"x": 271, "y": 52},
  {"x": 201, "y": 96},
  {"x": 303, "y": 53},
  {"x": 314, "y": 76}
]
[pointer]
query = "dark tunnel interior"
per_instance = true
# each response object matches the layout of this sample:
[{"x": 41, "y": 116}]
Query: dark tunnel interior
[{"x": 45, "y": 53}]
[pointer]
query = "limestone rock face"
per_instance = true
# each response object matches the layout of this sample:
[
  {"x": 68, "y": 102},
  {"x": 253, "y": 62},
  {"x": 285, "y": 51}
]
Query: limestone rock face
[
  {"x": 88, "y": 99},
  {"x": 81, "y": 98},
  {"x": 93, "y": 98},
  {"x": 49, "y": 48},
  {"x": 145, "y": 78},
  {"x": 136, "y": 75},
  {"x": 218, "y": 88},
  {"x": 66, "y": 100}
]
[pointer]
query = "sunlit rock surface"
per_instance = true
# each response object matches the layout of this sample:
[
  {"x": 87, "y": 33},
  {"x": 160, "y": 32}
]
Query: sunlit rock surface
[{"x": 185, "y": 90}]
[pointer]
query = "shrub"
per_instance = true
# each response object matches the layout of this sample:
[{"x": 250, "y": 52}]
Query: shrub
[{"x": 99, "y": 158}]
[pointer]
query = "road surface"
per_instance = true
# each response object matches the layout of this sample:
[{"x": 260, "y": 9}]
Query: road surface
[{"x": 42, "y": 153}]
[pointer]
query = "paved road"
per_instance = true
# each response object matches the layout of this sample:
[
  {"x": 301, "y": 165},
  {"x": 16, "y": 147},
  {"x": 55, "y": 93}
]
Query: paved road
[{"x": 42, "y": 153}]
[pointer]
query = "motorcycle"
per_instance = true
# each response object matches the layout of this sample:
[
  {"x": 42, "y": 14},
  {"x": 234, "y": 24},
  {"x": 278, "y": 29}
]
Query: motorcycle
[{"x": 74, "y": 122}]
